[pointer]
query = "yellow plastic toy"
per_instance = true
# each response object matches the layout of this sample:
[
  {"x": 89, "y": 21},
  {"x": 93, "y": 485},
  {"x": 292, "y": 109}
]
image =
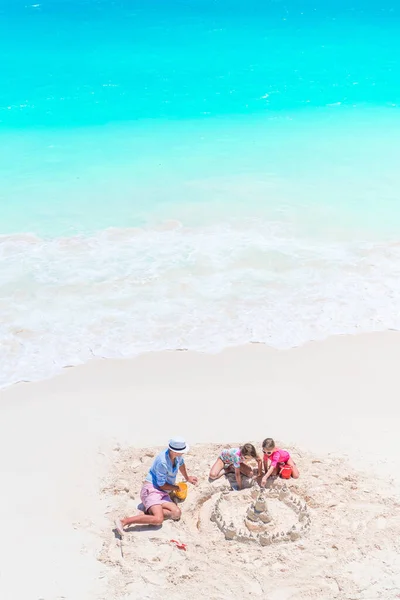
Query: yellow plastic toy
[{"x": 183, "y": 488}]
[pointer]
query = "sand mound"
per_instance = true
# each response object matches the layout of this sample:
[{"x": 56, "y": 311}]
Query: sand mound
[
  {"x": 349, "y": 550},
  {"x": 261, "y": 516}
]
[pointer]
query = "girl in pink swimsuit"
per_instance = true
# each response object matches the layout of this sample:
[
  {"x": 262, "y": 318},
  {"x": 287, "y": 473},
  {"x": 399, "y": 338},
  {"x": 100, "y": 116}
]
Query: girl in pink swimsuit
[{"x": 276, "y": 458}]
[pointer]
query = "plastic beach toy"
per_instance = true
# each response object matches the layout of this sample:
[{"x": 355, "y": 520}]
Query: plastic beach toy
[
  {"x": 181, "y": 495},
  {"x": 286, "y": 472},
  {"x": 179, "y": 544}
]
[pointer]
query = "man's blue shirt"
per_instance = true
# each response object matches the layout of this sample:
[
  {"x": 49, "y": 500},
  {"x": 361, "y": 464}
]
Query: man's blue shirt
[{"x": 162, "y": 470}]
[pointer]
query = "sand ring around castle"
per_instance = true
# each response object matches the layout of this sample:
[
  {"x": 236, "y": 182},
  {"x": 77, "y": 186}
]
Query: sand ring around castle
[{"x": 261, "y": 516}]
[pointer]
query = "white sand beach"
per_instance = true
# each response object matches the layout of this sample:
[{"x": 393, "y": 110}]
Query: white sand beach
[{"x": 75, "y": 449}]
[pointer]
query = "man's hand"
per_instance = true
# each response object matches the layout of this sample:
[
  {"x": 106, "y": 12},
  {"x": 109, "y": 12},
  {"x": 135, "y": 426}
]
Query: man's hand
[
  {"x": 168, "y": 487},
  {"x": 187, "y": 477}
]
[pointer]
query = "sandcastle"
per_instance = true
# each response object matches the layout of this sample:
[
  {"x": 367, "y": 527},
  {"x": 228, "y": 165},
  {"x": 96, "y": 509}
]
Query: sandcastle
[{"x": 258, "y": 524}]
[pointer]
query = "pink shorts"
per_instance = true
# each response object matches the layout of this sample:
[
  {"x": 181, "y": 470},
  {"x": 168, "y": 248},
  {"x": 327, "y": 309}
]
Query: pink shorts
[{"x": 150, "y": 496}]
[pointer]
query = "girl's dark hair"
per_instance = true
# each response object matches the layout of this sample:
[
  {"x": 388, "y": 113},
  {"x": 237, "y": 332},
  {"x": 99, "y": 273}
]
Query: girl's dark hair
[
  {"x": 248, "y": 450},
  {"x": 268, "y": 443}
]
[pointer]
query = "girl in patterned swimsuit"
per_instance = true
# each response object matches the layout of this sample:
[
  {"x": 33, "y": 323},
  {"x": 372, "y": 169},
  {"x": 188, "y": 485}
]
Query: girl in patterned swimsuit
[{"x": 232, "y": 459}]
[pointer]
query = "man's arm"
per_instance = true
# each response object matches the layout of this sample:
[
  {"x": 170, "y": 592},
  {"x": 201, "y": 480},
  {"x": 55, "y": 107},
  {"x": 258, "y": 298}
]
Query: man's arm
[
  {"x": 187, "y": 477},
  {"x": 167, "y": 487},
  {"x": 160, "y": 473}
]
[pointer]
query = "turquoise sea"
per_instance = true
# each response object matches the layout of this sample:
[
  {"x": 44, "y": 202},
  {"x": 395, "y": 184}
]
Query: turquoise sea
[{"x": 195, "y": 174}]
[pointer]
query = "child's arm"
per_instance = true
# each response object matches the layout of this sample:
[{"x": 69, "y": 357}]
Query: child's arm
[
  {"x": 267, "y": 474},
  {"x": 238, "y": 478},
  {"x": 260, "y": 466}
]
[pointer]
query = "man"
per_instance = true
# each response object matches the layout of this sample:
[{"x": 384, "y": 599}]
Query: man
[{"x": 160, "y": 482}]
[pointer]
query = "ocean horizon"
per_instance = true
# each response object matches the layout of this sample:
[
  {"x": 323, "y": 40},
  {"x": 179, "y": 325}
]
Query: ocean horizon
[{"x": 195, "y": 175}]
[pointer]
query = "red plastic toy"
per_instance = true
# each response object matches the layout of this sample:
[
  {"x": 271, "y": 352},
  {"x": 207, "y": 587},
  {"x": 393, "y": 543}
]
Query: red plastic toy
[
  {"x": 179, "y": 544},
  {"x": 286, "y": 472}
]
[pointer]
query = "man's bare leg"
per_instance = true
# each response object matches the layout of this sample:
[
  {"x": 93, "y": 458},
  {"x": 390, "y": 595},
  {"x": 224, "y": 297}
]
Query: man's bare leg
[{"x": 158, "y": 513}]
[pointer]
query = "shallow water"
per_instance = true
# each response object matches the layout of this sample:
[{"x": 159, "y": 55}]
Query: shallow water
[{"x": 195, "y": 175}]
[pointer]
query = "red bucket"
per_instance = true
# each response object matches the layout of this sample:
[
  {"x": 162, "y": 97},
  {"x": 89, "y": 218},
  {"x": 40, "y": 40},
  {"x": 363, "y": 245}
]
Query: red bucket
[{"x": 286, "y": 472}]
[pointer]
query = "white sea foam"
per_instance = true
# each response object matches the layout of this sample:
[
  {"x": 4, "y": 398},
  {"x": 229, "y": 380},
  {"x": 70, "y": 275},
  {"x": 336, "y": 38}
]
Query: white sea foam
[{"x": 125, "y": 291}]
